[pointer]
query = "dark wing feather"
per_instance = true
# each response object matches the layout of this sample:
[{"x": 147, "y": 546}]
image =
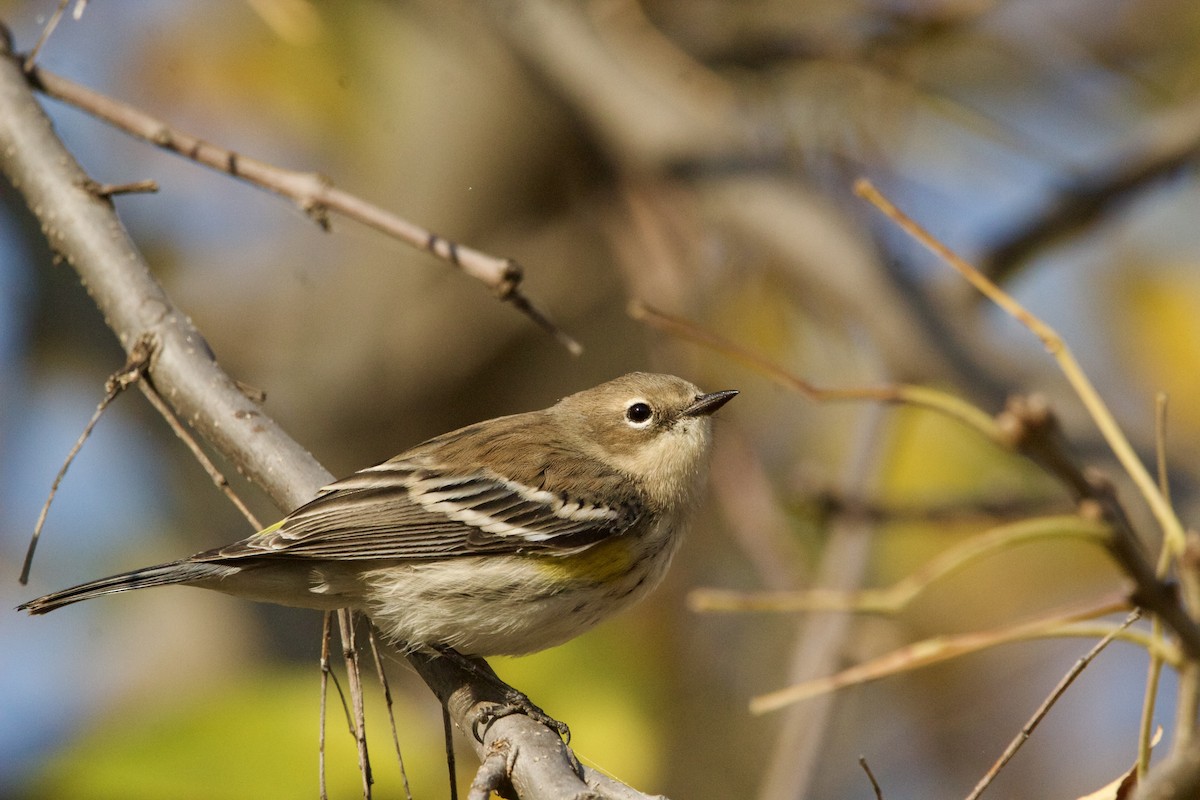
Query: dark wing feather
[{"x": 411, "y": 508}]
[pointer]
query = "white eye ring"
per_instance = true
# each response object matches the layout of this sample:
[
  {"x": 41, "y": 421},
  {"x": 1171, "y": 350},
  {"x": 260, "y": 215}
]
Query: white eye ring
[{"x": 639, "y": 414}]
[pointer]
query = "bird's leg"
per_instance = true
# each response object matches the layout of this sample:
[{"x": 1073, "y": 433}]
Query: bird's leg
[{"x": 515, "y": 701}]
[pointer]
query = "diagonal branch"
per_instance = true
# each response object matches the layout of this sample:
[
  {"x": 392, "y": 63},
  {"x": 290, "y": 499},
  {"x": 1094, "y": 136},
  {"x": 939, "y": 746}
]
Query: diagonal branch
[
  {"x": 312, "y": 192},
  {"x": 85, "y": 231}
]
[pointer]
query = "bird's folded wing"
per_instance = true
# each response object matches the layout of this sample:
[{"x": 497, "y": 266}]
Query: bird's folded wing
[{"x": 407, "y": 509}]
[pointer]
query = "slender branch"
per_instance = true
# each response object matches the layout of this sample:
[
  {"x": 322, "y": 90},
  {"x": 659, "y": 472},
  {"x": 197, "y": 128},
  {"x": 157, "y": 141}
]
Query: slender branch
[
  {"x": 84, "y": 230},
  {"x": 47, "y": 30},
  {"x": 345, "y": 618},
  {"x": 1149, "y": 700},
  {"x": 919, "y": 396},
  {"x": 862, "y": 762},
  {"x": 1028, "y": 728},
  {"x": 936, "y": 650},
  {"x": 315, "y": 194},
  {"x": 448, "y": 742},
  {"x": 326, "y": 625},
  {"x": 391, "y": 711},
  {"x": 218, "y": 478},
  {"x": 895, "y": 598},
  {"x": 1034, "y": 431},
  {"x": 135, "y": 365}
]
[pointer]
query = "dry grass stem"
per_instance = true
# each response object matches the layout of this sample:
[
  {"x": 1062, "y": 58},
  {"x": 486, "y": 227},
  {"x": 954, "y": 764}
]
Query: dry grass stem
[
  {"x": 943, "y": 648},
  {"x": 895, "y": 598}
]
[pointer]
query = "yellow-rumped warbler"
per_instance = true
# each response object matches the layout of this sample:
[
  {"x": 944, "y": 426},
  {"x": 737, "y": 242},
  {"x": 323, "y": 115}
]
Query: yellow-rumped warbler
[{"x": 502, "y": 538}]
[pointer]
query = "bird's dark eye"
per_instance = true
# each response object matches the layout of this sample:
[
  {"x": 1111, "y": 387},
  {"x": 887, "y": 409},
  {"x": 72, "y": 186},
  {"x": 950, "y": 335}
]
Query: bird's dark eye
[{"x": 638, "y": 413}]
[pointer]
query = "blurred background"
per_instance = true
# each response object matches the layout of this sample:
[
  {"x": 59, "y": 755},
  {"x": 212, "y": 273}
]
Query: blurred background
[{"x": 697, "y": 156}]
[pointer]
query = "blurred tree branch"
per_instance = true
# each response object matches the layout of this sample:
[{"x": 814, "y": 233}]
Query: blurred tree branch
[
  {"x": 664, "y": 117},
  {"x": 1157, "y": 150},
  {"x": 312, "y": 192},
  {"x": 85, "y": 231}
]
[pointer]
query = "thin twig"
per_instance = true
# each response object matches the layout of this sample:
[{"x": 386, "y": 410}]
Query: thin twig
[
  {"x": 936, "y": 650},
  {"x": 147, "y": 186},
  {"x": 1154, "y": 668},
  {"x": 1160, "y": 444},
  {"x": 48, "y": 29},
  {"x": 218, "y": 478},
  {"x": 1149, "y": 698},
  {"x": 448, "y": 732},
  {"x": 326, "y": 624},
  {"x": 1047, "y": 704},
  {"x": 315, "y": 194},
  {"x": 135, "y": 367},
  {"x": 895, "y": 598},
  {"x": 1187, "y": 702},
  {"x": 862, "y": 762},
  {"x": 922, "y": 396},
  {"x": 353, "y": 677},
  {"x": 387, "y": 696}
]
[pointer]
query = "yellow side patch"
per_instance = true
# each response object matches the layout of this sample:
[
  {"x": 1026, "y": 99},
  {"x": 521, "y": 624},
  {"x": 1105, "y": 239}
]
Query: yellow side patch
[
  {"x": 598, "y": 564},
  {"x": 271, "y": 528}
]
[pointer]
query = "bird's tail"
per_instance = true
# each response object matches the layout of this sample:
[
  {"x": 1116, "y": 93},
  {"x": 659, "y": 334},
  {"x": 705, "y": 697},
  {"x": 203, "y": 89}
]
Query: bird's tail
[{"x": 174, "y": 572}]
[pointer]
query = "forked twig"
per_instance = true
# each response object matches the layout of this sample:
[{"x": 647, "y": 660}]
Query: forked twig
[
  {"x": 135, "y": 367},
  {"x": 1057, "y": 347},
  {"x": 1035, "y": 433},
  {"x": 1047, "y": 704}
]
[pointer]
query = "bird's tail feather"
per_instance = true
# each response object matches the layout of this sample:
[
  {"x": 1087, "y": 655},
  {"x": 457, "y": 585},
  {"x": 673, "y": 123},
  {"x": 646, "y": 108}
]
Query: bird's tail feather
[{"x": 174, "y": 572}]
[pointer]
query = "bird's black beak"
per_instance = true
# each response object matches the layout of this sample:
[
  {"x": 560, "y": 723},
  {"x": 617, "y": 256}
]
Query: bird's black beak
[{"x": 706, "y": 404}]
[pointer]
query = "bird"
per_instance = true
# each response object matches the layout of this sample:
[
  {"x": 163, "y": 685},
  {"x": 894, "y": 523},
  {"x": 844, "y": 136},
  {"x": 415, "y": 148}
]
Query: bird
[{"x": 505, "y": 537}]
